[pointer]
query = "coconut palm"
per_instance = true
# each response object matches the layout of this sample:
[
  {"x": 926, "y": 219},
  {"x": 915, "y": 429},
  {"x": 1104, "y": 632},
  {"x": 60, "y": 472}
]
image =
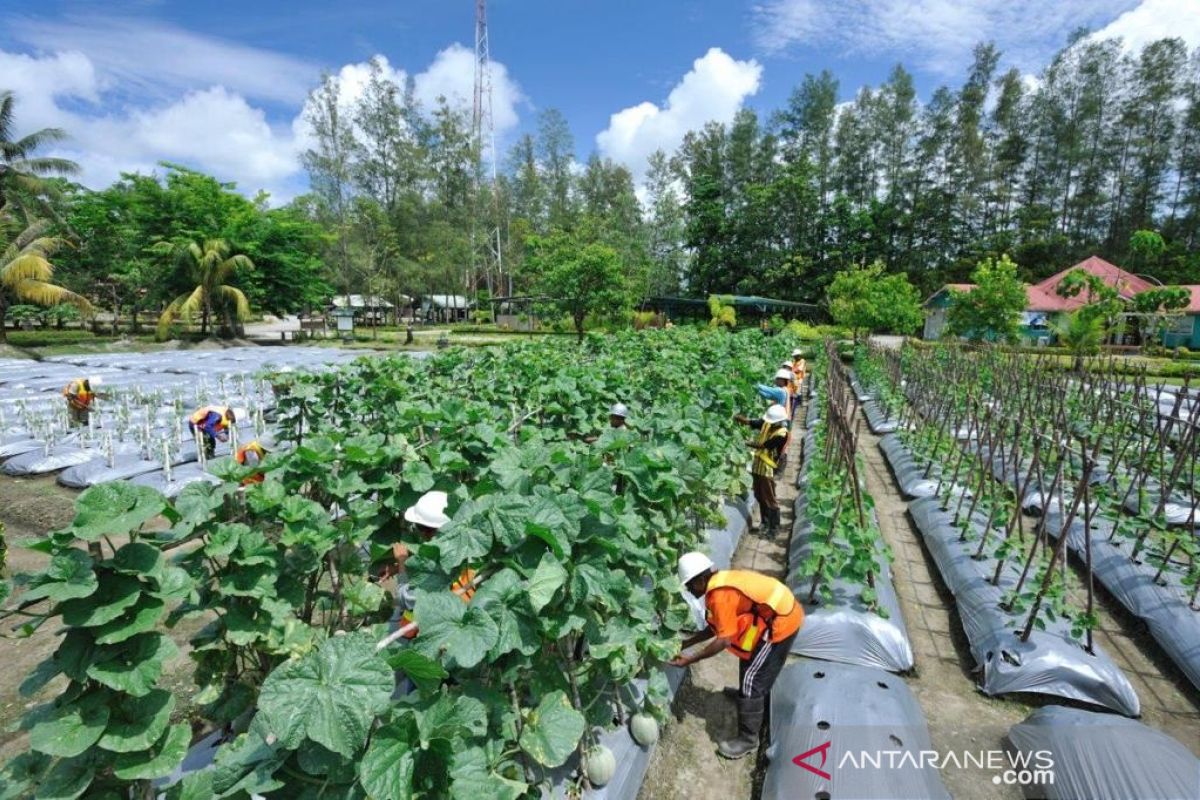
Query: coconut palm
[
  {"x": 210, "y": 264},
  {"x": 26, "y": 273},
  {"x": 1082, "y": 333},
  {"x": 23, "y": 175}
]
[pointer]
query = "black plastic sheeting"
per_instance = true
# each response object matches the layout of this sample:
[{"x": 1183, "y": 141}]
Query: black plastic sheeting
[
  {"x": 1050, "y": 662},
  {"x": 845, "y": 631},
  {"x": 910, "y": 473},
  {"x": 1104, "y": 757},
  {"x": 1163, "y": 607},
  {"x": 826, "y": 715},
  {"x": 878, "y": 419}
]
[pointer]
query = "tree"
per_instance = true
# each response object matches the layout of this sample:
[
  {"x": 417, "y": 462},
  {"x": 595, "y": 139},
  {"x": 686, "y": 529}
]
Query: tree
[
  {"x": 580, "y": 279},
  {"x": 721, "y": 311},
  {"x": 992, "y": 310},
  {"x": 210, "y": 265},
  {"x": 26, "y": 274},
  {"x": 22, "y": 174},
  {"x": 865, "y": 299},
  {"x": 1160, "y": 306},
  {"x": 1102, "y": 302},
  {"x": 1081, "y": 333}
]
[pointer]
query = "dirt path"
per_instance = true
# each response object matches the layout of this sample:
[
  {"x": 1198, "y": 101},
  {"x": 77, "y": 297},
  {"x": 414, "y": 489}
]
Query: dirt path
[
  {"x": 685, "y": 764},
  {"x": 959, "y": 716}
]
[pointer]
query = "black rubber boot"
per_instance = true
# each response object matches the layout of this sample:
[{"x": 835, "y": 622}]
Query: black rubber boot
[
  {"x": 750, "y": 720},
  {"x": 732, "y": 692},
  {"x": 772, "y": 515}
]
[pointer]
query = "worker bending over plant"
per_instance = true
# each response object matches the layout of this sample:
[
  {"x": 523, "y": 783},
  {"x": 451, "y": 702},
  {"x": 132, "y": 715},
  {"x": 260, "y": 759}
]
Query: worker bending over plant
[
  {"x": 251, "y": 455},
  {"x": 768, "y": 451},
  {"x": 80, "y": 395},
  {"x": 428, "y": 516},
  {"x": 213, "y": 424},
  {"x": 751, "y": 615}
]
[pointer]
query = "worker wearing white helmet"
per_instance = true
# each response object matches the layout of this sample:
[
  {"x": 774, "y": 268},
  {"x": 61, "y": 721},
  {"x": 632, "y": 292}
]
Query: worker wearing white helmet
[
  {"x": 799, "y": 366},
  {"x": 785, "y": 379},
  {"x": 81, "y": 394},
  {"x": 427, "y": 516},
  {"x": 751, "y": 615},
  {"x": 769, "y": 448},
  {"x": 617, "y": 415}
]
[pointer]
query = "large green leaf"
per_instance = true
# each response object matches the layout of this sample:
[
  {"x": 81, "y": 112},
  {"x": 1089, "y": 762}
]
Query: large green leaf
[
  {"x": 461, "y": 542},
  {"x": 450, "y": 718},
  {"x": 117, "y": 593},
  {"x": 69, "y": 778},
  {"x": 67, "y": 729},
  {"x": 463, "y": 632},
  {"x": 420, "y": 668},
  {"x": 552, "y": 730},
  {"x": 387, "y": 767},
  {"x": 133, "y": 666},
  {"x": 545, "y": 581},
  {"x": 115, "y": 509},
  {"x": 141, "y": 618},
  {"x": 157, "y": 762},
  {"x": 330, "y": 695},
  {"x": 138, "y": 722},
  {"x": 193, "y": 786},
  {"x": 140, "y": 559},
  {"x": 473, "y": 778},
  {"x": 69, "y": 575}
]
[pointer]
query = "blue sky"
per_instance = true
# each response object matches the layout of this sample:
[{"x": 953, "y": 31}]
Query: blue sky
[{"x": 220, "y": 85}]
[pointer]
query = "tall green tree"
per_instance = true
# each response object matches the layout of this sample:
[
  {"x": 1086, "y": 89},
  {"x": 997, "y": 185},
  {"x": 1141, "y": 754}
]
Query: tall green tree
[
  {"x": 26, "y": 271},
  {"x": 23, "y": 173},
  {"x": 210, "y": 265},
  {"x": 991, "y": 311},
  {"x": 868, "y": 299},
  {"x": 579, "y": 278}
]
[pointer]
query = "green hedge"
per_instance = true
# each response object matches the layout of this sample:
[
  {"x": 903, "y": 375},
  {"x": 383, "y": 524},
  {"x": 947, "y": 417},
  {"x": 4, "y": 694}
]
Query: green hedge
[{"x": 46, "y": 338}]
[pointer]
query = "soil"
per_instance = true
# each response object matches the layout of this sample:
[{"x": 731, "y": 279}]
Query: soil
[
  {"x": 959, "y": 716},
  {"x": 29, "y": 509}
]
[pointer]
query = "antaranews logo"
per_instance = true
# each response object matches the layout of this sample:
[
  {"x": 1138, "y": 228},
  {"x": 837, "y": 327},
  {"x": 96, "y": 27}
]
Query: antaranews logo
[{"x": 1017, "y": 768}]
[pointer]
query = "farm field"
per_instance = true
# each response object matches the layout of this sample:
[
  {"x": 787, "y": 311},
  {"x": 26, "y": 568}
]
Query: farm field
[{"x": 243, "y": 619}]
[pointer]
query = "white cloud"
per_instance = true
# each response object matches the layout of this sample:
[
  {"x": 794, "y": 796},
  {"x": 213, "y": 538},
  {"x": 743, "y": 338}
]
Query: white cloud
[
  {"x": 1156, "y": 19},
  {"x": 452, "y": 75},
  {"x": 160, "y": 60},
  {"x": 713, "y": 91},
  {"x": 938, "y": 35},
  {"x": 39, "y": 83}
]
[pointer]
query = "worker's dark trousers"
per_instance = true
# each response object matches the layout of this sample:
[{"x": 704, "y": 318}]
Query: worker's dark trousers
[
  {"x": 764, "y": 493},
  {"x": 758, "y": 673}
]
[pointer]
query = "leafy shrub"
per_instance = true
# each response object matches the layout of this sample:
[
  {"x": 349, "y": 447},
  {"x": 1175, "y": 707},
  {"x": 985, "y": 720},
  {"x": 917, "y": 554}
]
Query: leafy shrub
[{"x": 49, "y": 338}]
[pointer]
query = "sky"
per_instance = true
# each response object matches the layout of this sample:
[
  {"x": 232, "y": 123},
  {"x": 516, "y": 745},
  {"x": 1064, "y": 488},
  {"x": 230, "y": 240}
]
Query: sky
[{"x": 220, "y": 86}]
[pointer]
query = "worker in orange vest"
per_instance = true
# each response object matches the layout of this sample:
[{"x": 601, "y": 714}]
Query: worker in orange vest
[
  {"x": 428, "y": 516},
  {"x": 751, "y": 615},
  {"x": 80, "y": 395},
  {"x": 251, "y": 455},
  {"x": 799, "y": 366},
  {"x": 213, "y": 423}
]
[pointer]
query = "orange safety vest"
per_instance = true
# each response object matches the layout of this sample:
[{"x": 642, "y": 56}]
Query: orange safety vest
[
  {"x": 240, "y": 457},
  {"x": 464, "y": 579},
  {"x": 762, "y": 602},
  {"x": 78, "y": 395},
  {"x": 201, "y": 414}
]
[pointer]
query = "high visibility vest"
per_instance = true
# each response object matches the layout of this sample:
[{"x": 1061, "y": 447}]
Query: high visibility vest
[
  {"x": 78, "y": 394},
  {"x": 253, "y": 447},
  {"x": 800, "y": 367},
  {"x": 764, "y": 463},
  {"x": 767, "y": 598},
  {"x": 464, "y": 579},
  {"x": 198, "y": 418}
]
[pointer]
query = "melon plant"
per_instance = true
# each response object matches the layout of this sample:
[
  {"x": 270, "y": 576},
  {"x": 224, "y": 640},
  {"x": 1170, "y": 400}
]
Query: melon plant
[
  {"x": 575, "y": 596},
  {"x": 644, "y": 729}
]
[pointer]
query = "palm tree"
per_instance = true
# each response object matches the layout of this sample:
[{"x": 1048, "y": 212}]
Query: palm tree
[
  {"x": 1082, "y": 333},
  {"x": 25, "y": 269},
  {"x": 210, "y": 264},
  {"x": 22, "y": 175}
]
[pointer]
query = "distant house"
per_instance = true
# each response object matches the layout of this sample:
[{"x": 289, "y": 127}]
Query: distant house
[
  {"x": 1043, "y": 303},
  {"x": 445, "y": 307},
  {"x": 369, "y": 308}
]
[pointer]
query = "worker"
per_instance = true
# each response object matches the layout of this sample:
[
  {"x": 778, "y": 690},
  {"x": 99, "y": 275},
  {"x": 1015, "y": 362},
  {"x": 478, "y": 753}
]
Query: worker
[
  {"x": 768, "y": 451},
  {"x": 751, "y": 615},
  {"x": 786, "y": 380},
  {"x": 618, "y": 417},
  {"x": 799, "y": 366},
  {"x": 81, "y": 394},
  {"x": 428, "y": 516},
  {"x": 251, "y": 455},
  {"x": 213, "y": 424}
]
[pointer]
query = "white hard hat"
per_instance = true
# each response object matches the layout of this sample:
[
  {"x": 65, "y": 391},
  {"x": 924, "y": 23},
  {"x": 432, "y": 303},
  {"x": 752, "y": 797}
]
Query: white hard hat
[
  {"x": 797, "y": 354},
  {"x": 287, "y": 368},
  {"x": 96, "y": 380},
  {"x": 774, "y": 414},
  {"x": 430, "y": 510},
  {"x": 786, "y": 374},
  {"x": 239, "y": 414},
  {"x": 693, "y": 564},
  {"x": 619, "y": 410}
]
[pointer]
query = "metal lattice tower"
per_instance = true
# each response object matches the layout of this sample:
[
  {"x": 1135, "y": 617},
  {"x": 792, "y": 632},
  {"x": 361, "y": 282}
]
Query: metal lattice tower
[{"x": 484, "y": 128}]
